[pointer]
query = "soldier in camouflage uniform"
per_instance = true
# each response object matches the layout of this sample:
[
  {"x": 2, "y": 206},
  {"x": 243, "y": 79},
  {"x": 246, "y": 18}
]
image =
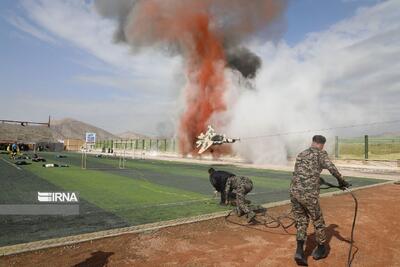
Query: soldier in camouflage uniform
[
  {"x": 304, "y": 196},
  {"x": 242, "y": 186}
]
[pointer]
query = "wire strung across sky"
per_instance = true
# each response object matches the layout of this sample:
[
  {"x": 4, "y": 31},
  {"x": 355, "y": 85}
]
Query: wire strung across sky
[{"x": 321, "y": 130}]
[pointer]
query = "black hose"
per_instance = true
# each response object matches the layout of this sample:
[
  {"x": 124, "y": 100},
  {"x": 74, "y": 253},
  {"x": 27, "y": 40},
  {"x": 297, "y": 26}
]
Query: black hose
[
  {"x": 329, "y": 185},
  {"x": 278, "y": 221},
  {"x": 349, "y": 257},
  {"x": 275, "y": 222}
]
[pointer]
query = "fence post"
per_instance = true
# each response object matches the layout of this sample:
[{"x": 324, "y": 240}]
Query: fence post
[
  {"x": 165, "y": 145},
  {"x": 336, "y": 147},
  {"x": 366, "y": 147}
]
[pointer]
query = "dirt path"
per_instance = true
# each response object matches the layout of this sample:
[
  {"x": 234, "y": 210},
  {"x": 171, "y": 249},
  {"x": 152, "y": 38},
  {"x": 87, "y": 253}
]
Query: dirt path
[{"x": 221, "y": 243}]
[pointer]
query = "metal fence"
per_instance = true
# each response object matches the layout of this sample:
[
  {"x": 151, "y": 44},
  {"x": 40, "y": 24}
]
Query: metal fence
[
  {"x": 368, "y": 147},
  {"x": 160, "y": 145},
  {"x": 365, "y": 147}
]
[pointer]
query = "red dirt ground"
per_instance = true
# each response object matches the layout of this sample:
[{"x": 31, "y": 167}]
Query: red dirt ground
[{"x": 221, "y": 243}]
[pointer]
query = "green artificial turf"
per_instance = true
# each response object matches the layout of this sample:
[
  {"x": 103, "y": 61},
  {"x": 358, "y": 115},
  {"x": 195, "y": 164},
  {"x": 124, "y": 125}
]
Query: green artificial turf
[
  {"x": 146, "y": 191},
  {"x": 136, "y": 200}
]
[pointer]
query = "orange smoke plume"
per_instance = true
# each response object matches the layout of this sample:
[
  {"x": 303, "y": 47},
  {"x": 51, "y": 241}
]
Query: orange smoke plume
[
  {"x": 205, "y": 33},
  {"x": 204, "y": 96},
  {"x": 189, "y": 26}
]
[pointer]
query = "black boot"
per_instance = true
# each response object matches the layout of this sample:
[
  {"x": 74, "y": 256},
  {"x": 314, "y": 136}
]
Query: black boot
[
  {"x": 319, "y": 252},
  {"x": 299, "y": 256}
]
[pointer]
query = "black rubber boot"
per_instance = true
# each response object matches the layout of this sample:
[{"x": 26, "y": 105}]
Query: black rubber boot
[
  {"x": 319, "y": 252},
  {"x": 299, "y": 256}
]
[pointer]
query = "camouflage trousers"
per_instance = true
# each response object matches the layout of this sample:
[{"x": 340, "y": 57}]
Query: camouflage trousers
[
  {"x": 244, "y": 187},
  {"x": 304, "y": 209}
]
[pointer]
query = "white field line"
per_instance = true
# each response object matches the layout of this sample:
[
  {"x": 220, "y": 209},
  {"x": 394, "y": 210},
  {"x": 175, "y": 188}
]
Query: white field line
[
  {"x": 173, "y": 203},
  {"x": 15, "y": 166},
  {"x": 192, "y": 201}
]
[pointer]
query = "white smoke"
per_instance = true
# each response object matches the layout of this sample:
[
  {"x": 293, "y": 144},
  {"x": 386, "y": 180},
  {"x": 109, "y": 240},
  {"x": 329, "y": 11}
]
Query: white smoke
[{"x": 345, "y": 75}]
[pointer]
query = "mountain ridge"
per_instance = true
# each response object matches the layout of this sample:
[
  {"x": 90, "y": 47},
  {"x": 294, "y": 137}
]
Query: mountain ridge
[{"x": 61, "y": 129}]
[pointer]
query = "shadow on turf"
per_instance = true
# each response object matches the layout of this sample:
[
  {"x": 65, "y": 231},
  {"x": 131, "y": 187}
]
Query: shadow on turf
[{"x": 98, "y": 259}]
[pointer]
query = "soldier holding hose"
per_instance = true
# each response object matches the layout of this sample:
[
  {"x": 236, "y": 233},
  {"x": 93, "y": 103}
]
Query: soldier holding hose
[{"x": 304, "y": 196}]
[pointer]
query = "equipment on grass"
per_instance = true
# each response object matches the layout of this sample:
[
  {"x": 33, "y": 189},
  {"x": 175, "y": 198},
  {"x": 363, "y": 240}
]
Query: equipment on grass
[
  {"x": 21, "y": 162},
  {"x": 210, "y": 138},
  {"x": 39, "y": 159},
  {"x": 36, "y": 158},
  {"x": 22, "y": 157},
  {"x": 50, "y": 165},
  {"x": 54, "y": 165}
]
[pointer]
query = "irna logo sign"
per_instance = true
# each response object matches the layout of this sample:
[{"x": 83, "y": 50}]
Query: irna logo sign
[{"x": 57, "y": 197}]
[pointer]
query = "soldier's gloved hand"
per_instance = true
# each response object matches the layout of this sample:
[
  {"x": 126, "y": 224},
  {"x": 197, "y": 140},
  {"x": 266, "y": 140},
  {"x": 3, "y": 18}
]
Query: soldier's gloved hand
[{"x": 344, "y": 184}]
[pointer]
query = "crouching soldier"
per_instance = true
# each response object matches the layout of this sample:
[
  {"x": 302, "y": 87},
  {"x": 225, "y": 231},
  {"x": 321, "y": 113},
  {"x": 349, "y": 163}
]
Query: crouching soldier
[
  {"x": 218, "y": 181},
  {"x": 304, "y": 195},
  {"x": 241, "y": 186}
]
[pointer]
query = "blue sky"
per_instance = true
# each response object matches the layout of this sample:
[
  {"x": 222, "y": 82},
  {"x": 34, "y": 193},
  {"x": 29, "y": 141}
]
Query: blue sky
[
  {"x": 305, "y": 16},
  {"x": 51, "y": 67}
]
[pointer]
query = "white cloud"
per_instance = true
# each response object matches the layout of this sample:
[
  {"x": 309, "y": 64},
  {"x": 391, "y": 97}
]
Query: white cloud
[
  {"x": 21, "y": 24},
  {"x": 78, "y": 23},
  {"x": 345, "y": 75}
]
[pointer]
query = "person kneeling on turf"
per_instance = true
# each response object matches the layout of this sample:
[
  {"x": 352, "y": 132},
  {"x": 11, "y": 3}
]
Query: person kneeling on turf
[
  {"x": 218, "y": 180},
  {"x": 241, "y": 186}
]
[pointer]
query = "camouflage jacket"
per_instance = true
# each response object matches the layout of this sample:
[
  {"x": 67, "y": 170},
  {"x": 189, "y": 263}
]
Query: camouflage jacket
[
  {"x": 233, "y": 182},
  {"x": 307, "y": 170}
]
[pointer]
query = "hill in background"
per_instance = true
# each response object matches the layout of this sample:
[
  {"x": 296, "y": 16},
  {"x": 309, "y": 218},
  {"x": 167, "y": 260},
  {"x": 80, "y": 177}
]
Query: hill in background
[
  {"x": 59, "y": 130},
  {"x": 74, "y": 129}
]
